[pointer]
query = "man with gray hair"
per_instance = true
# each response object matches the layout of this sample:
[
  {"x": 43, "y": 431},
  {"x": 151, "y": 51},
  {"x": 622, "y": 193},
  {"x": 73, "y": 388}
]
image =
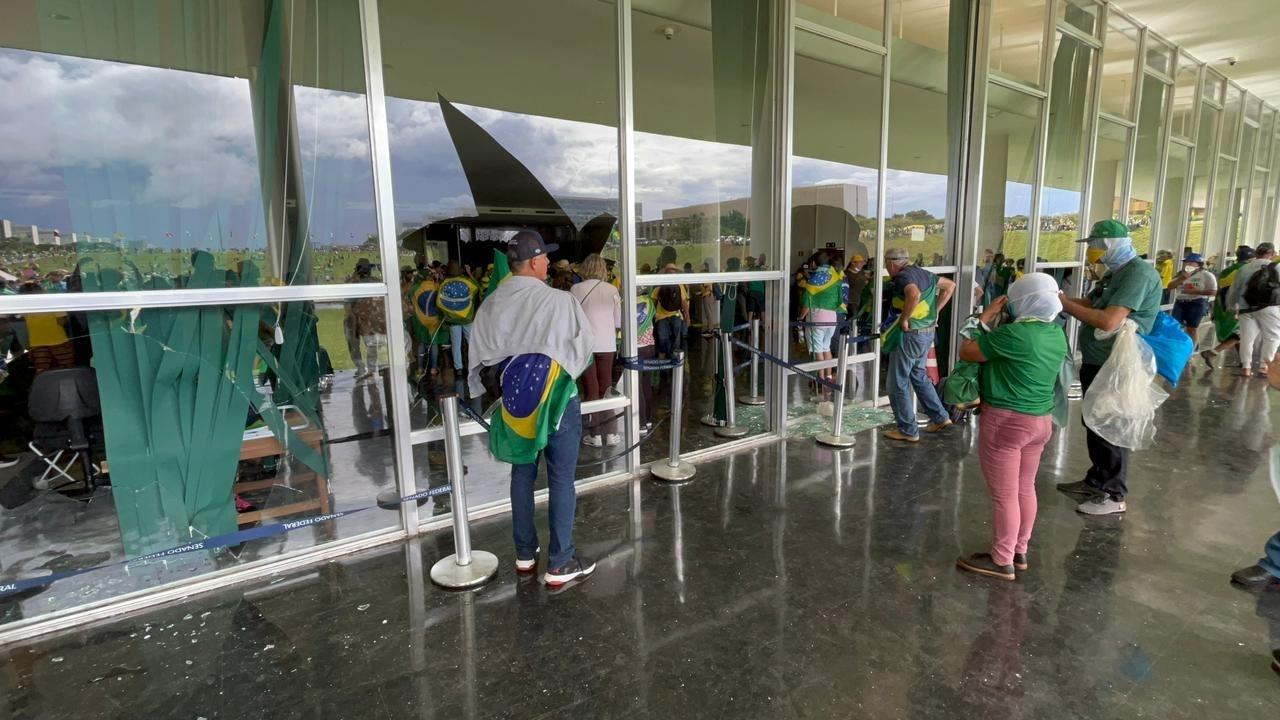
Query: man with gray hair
[{"x": 919, "y": 295}]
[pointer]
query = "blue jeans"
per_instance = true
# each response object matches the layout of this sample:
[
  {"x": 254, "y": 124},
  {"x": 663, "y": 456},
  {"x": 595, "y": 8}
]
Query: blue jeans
[
  {"x": 669, "y": 335},
  {"x": 562, "y": 459},
  {"x": 907, "y": 372},
  {"x": 456, "y": 333},
  {"x": 1271, "y": 561}
]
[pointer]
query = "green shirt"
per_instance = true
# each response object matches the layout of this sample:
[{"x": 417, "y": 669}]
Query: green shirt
[
  {"x": 1023, "y": 362},
  {"x": 1135, "y": 286}
]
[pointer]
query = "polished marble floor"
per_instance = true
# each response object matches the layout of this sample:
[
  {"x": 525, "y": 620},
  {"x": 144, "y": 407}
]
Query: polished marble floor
[{"x": 786, "y": 581}]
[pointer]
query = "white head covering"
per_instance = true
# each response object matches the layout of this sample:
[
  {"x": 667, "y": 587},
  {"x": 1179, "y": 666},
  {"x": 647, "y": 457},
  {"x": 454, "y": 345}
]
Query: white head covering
[{"x": 1035, "y": 295}]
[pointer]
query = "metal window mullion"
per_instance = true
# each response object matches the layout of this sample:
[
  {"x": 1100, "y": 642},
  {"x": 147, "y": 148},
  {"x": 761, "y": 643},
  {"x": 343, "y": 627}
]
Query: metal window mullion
[
  {"x": 1162, "y": 160},
  {"x": 783, "y": 102},
  {"x": 1125, "y": 122},
  {"x": 1068, "y": 29},
  {"x": 384, "y": 201},
  {"x": 882, "y": 184},
  {"x": 1094, "y": 113},
  {"x": 1136, "y": 103},
  {"x": 1206, "y": 236},
  {"x": 120, "y": 300},
  {"x": 699, "y": 278},
  {"x": 840, "y": 37},
  {"x": 1184, "y": 222},
  {"x": 972, "y": 158},
  {"x": 1019, "y": 87},
  {"x": 627, "y": 223},
  {"x": 1042, "y": 136},
  {"x": 1247, "y": 198}
]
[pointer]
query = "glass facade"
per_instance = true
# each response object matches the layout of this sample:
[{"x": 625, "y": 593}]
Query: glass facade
[{"x": 232, "y": 237}]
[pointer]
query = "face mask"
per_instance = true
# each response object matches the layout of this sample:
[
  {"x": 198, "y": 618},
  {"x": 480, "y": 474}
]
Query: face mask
[{"x": 1188, "y": 269}]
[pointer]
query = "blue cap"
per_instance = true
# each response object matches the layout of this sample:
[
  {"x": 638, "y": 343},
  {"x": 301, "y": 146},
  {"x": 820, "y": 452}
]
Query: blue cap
[
  {"x": 527, "y": 244},
  {"x": 1195, "y": 258}
]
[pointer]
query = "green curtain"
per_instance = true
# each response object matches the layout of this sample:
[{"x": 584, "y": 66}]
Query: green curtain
[{"x": 176, "y": 385}]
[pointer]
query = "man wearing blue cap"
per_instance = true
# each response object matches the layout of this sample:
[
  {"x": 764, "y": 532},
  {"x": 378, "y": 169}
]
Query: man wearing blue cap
[
  {"x": 1130, "y": 290},
  {"x": 538, "y": 341},
  {"x": 1196, "y": 288}
]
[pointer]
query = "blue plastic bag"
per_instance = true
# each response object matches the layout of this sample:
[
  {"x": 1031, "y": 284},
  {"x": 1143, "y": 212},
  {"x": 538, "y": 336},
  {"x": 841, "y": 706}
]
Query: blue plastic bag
[{"x": 1171, "y": 346}]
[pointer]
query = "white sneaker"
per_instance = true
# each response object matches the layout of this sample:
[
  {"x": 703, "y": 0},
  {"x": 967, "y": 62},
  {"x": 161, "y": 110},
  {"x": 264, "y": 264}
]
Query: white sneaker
[
  {"x": 612, "y": 439},
  {"x": 1101, "y": 506},
  {"x": 592, "y": 441},
  {"x": 528, "y": 566}
]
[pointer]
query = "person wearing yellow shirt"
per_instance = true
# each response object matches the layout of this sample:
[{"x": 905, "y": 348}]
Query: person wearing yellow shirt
[
  {"x": 47, "y": 340},
  {"x": 671, "y": 316}
]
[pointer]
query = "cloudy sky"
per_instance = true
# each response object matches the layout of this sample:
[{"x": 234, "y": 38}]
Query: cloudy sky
[{"x": 107, "y": 148}]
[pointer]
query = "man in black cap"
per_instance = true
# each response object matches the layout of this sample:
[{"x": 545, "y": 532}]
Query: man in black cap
[{"x": 538, "y": 340}]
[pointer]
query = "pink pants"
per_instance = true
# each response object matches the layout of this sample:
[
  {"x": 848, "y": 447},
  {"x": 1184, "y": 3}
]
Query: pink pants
[{"x": 1009, "y": 445}]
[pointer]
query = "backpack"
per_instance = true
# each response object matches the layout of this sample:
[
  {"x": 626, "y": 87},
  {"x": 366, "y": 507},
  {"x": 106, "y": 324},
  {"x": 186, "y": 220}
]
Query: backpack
[
  {"x": 670, "y": 299},
  {"x": 1263, "y": 288}
]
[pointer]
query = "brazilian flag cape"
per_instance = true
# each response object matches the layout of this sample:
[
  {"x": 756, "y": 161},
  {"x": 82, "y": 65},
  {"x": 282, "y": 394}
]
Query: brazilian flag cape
[
  {"x": 1225, "y": 323},
  {"x": 456, "y": 299},
  {"x": 644, "y": 314},
  {"x": 426, "y": 319},
  {"x": 535, "y": 392},
  {"x": 822, "y": 289},
  {"x": 925, "y": 315}
]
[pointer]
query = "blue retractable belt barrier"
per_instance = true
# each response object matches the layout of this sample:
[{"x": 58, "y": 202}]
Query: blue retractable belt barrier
[{"x": 796, "y": 369}]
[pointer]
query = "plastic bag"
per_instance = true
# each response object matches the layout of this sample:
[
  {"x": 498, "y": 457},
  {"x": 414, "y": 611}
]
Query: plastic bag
[
  {"x": 1121, "y": 403},
  {"x": 1171, "y": 346},
  {"x": 962, "y": 388},
  {"x": 1061, "y": 393}
]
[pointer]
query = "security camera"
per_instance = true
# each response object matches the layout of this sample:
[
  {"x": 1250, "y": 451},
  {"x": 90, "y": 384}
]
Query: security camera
[
  {"x": 1232, "y": 61},
  {"x": 670, "y": 32}
]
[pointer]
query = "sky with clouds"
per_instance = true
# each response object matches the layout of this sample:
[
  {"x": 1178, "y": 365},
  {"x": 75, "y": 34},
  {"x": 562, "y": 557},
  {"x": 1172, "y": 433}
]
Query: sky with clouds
[{"x": 100, "y": 147}]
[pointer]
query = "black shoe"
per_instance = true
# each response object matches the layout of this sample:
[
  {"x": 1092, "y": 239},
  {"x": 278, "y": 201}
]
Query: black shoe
[
  {"x": 1020, "y": 561},
  {"x": 982, "y": 564},
  {"x": 1080, "y": 489},
  {"x": 577, "y": 567},
  {"x": 1252, "y": 577}
]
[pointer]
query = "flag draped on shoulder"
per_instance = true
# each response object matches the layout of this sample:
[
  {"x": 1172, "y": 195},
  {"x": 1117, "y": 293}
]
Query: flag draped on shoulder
[
  {"x": 535, "y": 392},
  {"x": 823, "y": 288}
]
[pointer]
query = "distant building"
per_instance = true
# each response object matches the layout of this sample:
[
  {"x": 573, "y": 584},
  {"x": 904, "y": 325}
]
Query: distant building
[{"x": 853, "y": 199}]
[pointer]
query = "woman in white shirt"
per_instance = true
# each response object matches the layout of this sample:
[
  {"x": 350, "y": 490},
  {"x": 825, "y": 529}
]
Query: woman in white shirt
[{"x": 603, "y": 307}]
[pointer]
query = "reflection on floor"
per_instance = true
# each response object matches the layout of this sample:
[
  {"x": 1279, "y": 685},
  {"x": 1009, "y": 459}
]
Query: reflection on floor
[{"x": 783, "y": 582}]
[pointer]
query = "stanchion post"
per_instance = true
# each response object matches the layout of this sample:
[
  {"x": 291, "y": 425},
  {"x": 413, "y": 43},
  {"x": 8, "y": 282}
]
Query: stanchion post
[
  {"x": 673, "y": 469},
  {"x": 710, "y": 418},
  {"x": 465, "y": 568},
  {"x": 752, "y": 396},
  {"x": 835, "y": 438},
  {"x": 730, "y": 429}
]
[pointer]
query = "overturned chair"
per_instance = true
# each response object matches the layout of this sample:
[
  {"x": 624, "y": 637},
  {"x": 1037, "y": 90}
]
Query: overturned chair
[{"x": 68, "y": 424}]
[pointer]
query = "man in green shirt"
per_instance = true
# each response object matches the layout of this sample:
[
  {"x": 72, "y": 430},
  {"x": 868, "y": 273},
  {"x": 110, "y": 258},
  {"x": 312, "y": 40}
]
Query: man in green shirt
[{"x": 1130, "y": 290}]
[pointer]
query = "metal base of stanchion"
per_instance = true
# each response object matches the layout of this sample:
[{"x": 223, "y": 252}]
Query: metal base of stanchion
[
  {"x": 735, "y": 431},
  {"x": 751, "y": 399},
  {"x": 664, "y": 471},
  {"x": 709, "y": 421},
  {"x": 839, "y": 441},
  {"x": 447, "y": 573}
]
